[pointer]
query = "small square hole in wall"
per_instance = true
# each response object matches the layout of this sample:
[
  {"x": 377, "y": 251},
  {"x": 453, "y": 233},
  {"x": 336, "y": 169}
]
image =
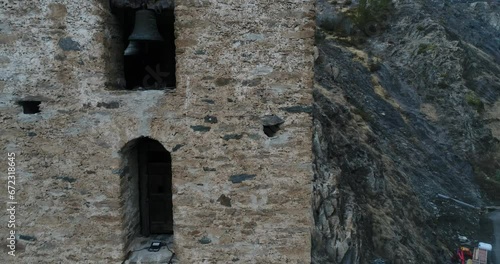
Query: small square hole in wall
[
  {"x": 30, "y": 107},
  {"x": 271, "y": 124},
  {"x": 271, "y": 131}
]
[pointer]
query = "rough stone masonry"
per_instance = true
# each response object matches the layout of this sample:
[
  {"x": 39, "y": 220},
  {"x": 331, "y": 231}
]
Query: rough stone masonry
[{"x": 239, "y": 196}]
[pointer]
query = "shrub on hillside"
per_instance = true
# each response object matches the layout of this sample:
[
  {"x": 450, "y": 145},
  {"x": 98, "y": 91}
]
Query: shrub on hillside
[{"x": 369, "y": 15}]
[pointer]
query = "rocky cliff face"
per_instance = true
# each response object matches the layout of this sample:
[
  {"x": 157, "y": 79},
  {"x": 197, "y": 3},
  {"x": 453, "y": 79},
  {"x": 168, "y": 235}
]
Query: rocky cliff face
[{"x": 406, "y": 106}]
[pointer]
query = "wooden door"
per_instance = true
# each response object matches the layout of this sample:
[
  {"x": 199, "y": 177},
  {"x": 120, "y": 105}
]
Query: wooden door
[{"x": 156, "y": 189}]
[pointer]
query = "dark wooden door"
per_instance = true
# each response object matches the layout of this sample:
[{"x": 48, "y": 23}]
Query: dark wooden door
[{"x": 156, "y": 189}]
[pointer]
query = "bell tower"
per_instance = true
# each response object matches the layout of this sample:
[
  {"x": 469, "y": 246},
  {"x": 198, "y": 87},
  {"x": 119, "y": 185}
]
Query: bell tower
[{"x": 190, "y": 118}]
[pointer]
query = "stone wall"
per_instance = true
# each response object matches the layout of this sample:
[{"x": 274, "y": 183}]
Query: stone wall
[
  {"x": 236, "y": 62},
  {"x": 130, "y": 195}
]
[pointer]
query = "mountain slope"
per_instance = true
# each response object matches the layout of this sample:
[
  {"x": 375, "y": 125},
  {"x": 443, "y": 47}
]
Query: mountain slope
[{"x": 406, "y": 107}]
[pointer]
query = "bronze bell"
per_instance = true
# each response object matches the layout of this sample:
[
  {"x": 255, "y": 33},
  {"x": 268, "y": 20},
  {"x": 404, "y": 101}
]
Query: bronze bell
[
  {"x": 133, "y": 48},
  {"x": 145, "y": 28}
]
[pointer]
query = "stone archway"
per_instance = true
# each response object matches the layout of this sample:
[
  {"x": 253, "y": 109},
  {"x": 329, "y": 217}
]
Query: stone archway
[{"x": 146, "y": 189}]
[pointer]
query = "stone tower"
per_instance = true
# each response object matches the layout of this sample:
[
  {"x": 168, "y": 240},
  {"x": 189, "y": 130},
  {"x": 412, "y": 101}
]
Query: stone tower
[{"x": 228, "y": 141}]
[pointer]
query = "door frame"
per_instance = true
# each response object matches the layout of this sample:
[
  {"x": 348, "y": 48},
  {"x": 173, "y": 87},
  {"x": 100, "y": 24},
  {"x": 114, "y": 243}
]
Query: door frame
[
  {"x": 145, "y": 195},
  {"x": 143, "y": 188}
]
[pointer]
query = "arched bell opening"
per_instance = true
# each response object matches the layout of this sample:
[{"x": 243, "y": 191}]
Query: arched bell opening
[
  {"x": 148, "y": 47},
  {"x": 146, "y": 186}
]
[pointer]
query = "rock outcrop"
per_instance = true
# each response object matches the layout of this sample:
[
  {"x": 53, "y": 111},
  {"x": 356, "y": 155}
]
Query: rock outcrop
[{"x": 406, "y": 107}]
